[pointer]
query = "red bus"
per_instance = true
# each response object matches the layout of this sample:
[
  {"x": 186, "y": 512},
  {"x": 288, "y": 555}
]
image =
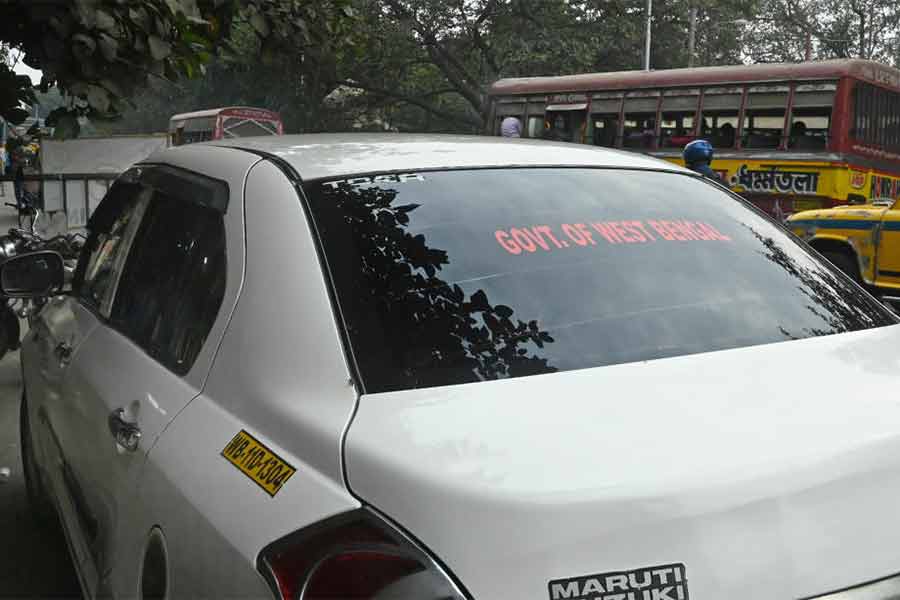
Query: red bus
[
  {"x": 788, "y": 137},
  {"x": 223, "y": 123}
]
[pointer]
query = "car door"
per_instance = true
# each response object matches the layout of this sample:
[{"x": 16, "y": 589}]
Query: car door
[
  {"x": 57, "y": 336},
  {"x": 133, "y": 374},
  {"x": 889, "y": 248}
]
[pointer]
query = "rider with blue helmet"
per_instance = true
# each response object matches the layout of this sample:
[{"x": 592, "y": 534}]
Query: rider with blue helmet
[{"x": 697, "y": 156}]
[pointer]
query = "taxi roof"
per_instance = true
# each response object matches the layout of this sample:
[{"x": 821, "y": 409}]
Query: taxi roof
[{"x": 320, "y": 156}]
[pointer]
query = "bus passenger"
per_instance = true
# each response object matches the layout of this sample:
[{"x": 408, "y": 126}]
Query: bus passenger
[
  {"x": 726, "y": 136},
  {"x": 798, "y": 131}
]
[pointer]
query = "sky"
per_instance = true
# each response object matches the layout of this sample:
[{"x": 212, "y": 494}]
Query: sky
[{"x": 23, "y": 69}]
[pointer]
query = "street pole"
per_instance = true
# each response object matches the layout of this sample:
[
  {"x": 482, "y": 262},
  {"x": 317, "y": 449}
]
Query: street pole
[
  {"x": 692, "y": 35},
  {"x": 647, "y": 36}
]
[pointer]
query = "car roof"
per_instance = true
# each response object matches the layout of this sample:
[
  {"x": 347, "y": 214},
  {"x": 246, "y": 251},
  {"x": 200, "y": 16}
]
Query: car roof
[{"x": 323, "y": 156}]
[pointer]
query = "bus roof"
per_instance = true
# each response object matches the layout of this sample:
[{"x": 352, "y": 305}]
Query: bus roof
[
  {"x": 238, "y": 111},
  {"x": 866, "y": 70}
]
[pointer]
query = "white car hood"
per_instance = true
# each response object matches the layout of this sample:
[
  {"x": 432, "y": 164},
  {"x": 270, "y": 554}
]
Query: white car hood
[{"x": 768, "y": 472}]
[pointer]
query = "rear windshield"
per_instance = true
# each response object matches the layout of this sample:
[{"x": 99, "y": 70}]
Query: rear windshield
[{"x": 460, "y": 276}]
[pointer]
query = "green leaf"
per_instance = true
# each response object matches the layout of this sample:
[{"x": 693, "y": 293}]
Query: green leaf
[
  {"x": 66, "y": 126},
  {"x": 159, "y": 48},
  {"x": 83, "y": 45},
  {"x": 140, "y": 17},
  {"x": 54, "y": 115},
  {"x": 259, "y": 24},
  {"x": 105, "y": 21},
  {"x": 108, "y": 46},
  {"x": 113, "y": 88},
  {"x": 98, "y": 98},
  {"x": 79, "y": 88}
]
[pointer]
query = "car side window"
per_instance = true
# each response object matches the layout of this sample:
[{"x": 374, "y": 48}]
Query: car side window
[
  {"x": 111, "y": 230},
  {"x": 173, "y": 282}
]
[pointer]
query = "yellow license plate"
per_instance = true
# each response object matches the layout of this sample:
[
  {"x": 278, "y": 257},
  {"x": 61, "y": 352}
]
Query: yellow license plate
[{"x": 255, "y": 460}]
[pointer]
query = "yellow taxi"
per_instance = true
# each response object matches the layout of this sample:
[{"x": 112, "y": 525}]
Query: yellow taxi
[{"x": 862, "y": 240}]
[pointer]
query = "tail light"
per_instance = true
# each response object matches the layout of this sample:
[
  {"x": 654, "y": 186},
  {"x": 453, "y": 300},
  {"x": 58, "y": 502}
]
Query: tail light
[{"x": 354, "y": 556}]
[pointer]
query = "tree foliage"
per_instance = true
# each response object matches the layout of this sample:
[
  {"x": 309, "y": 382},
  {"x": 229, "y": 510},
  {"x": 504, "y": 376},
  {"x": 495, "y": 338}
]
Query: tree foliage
[
  {"x": 417, "y": 65},
  {"x": 437, "y": 57},
  {"x": 100, "y": 53},
  {"x": 789, "y": 30}
]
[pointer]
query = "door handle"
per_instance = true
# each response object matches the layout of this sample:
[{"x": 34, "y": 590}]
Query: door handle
[
  {"x": 63, "y": 352},
  {"x": 128, "y": 435}
]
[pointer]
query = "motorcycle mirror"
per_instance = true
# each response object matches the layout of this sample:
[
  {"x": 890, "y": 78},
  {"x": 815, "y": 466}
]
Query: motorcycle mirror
[{"x": 32, "y": 275}]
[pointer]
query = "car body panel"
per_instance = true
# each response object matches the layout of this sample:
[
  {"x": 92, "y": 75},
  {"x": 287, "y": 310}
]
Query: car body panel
[
  {"x": 60, "y": 322},
  {"x": 106, "y": 474},
  {"x": 316, "y": 156},
  {"x": 214, "y": 515},
  {"x": 761, "y": 483},
  {"x": 870, "y": 233},
  {"x": 96, "y": 478},
  {"x": 281, "y": 378},
  {"x": 281, "y": 367},
  {"x": 889, "y": 248}
]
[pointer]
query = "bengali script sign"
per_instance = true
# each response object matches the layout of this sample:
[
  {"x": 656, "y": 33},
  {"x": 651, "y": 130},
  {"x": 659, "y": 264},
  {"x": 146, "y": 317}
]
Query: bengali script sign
[{"x": 773, "y": 179}]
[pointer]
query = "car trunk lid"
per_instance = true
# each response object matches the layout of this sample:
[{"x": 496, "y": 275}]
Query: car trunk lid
[{"x": 769, "y": 471}]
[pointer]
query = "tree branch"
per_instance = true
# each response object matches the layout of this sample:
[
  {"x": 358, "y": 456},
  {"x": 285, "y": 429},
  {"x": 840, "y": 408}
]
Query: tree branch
[
  {"x": 414, "y": 101},
  {"x": 452, "y": 69}
]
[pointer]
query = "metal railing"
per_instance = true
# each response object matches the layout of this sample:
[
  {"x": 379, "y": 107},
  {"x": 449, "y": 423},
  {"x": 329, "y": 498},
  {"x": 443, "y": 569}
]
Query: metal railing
[{"x": 75, "y": 194}]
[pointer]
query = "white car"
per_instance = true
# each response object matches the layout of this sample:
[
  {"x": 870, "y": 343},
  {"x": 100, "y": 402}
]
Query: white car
[{"x": 426, "y": 367}]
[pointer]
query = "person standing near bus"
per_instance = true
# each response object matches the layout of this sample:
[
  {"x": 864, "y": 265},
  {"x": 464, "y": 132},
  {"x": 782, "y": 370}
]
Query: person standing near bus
[
  {"x": 697, "y": 157},
  {"x": 511, "y": 127}
]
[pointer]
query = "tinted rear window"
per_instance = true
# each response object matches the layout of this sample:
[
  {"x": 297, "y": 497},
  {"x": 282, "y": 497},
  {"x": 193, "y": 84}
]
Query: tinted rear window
[{"x": 461, "y": 276}]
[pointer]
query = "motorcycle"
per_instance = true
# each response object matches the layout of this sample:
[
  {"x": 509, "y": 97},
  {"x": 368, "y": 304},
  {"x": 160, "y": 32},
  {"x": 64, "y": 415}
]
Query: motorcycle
[{"x": 18, "y": 241}]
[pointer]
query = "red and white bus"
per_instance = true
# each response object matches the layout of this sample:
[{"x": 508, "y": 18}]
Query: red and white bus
[
  {"x": 788, "y": 137},
  {"x": 223, "y": 123}
]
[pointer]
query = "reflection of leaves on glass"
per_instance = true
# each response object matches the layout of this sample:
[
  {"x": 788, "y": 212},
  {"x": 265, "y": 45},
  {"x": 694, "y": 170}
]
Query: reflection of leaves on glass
[
  {"x": 827, "y": 293},
  {"x": 409, "y": 327}
]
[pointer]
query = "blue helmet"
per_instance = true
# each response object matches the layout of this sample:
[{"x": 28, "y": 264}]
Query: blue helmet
[{"x": 698, "y": 151}]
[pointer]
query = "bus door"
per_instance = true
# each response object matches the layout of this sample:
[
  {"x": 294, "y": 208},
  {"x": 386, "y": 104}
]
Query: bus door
[{"x": 566, "y": 118}]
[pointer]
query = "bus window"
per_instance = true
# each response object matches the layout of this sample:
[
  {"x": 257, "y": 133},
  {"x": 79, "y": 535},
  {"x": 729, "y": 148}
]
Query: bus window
[
  {"x": 606, "y": 127},
  {"x": 640, "y": 121},
  {"x": 876, "y": 116},
  {"x": 721, "y": 107},
  {"x": 640, "y": 130},
  {"x": 678, "y": 113},
  {"x": 244, "y": 127},
  {"x": 764, "y": 117},
  {"x": 811, "y": 116},
  {"x": 565, "y": 125}
]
